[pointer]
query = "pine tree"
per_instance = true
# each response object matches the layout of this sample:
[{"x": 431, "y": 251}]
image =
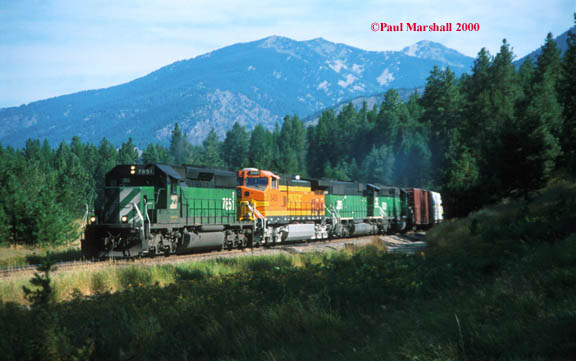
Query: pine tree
[
  {"x": 150, "y": 155},
  {"x": 461, "y": 179},
  {"x": 525, "y": 76},
  {"x": 293, "y": 146},
  {"x": 33, "y": 150},
  {"x": 320, "y": 143},
  {"x": 530, "y": 148},
  {"x": 567, "y": 97},
  {"x": 260, "y": 154},
  {"x": 212, "y": 150},
  {"x": 477, "y": 105},
  {"x": 106, "y": 160},
  {"x": 545, "y": 84},
  {"x": 339, "y": 172},
  {"x": 127, "y": 154},
  {"x": 442, "y": 103},
  {"x": 378, "y": 167},
  {"x": 388, "y": 121},
  {"x": 505, "y": 90},
  {"x": 413, "y": 161},
  {"x": 236, "y": 146},
  {"x": 180, "y": 149},
  {"x": 548, "y": 61},
  {"x": 361, "y": 143}
]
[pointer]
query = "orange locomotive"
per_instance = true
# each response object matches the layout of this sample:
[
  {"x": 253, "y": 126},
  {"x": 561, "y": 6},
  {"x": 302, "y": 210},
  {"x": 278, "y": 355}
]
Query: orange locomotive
[{"x": 290, "y": 204}]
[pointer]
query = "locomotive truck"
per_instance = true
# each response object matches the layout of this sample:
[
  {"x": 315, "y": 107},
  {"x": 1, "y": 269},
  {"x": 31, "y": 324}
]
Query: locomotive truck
[{"x": 156, "y": 209}]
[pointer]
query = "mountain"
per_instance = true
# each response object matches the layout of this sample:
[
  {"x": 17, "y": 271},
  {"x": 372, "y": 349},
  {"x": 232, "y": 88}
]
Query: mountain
[
  {"x": 560, "y": 41},
  {"x": 249, "y": 83}
]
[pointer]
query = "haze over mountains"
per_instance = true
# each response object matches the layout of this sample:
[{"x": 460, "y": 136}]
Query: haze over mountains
[{"x": 249, "y": 83}]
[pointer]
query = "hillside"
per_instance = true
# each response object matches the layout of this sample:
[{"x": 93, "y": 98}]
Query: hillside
[
  {"x": 248, "y": 83},
  {"x": 499, "y": 284}
]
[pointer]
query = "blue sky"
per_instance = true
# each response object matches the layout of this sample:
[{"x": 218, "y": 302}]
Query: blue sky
[{"x": 55, "y": 47}]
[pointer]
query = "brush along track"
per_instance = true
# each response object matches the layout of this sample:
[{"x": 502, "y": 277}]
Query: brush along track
[{"x": 409, "y": 243}]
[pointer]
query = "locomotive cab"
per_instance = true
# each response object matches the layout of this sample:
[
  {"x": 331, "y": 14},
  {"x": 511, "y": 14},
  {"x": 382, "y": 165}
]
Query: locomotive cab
[{"x": 255, "y": 190}]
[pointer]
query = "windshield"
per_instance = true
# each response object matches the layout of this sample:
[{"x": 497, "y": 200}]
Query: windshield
[{"x": 259, "y": 183}]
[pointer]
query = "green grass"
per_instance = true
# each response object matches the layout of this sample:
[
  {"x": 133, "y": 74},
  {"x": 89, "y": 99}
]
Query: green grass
[
  {"x": 18, "y": 255},
  {"x": 500, "y": 284}
]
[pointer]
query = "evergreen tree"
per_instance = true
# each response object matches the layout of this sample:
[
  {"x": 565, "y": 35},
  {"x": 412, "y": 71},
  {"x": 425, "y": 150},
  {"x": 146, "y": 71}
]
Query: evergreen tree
[
  {"x": 127, "y": 154},
  {"x": 461, "y": 179},
  {"x": 106, "y": 160},
  {"x": 212, "y": 150},
  {"x": 477, "y": 106},
  {"x": 33, "y": 150},
  {"x": 442, "y": 103},
  {"x": 260, "y": 154},
  {"x": 339, "y": 172},
  {"x": 504, "y": 89},
  {"x": 530, "y": 149},
  {"x": 150, "y": 155},
  {"x": 321, "y": 149},
  {"x": 180, "y": 148},
  {"x": 567, "y": 97},
  {"x": 413, "y": 161},
  {"x": 236, "y": 146},
  {"x": 388, "y": 121},
  {"x": 293, "y": 146},
  {"x": 548, "y": 61},
  {"x": 525, "y": 75},
  {"x": 378, "y": 167}
]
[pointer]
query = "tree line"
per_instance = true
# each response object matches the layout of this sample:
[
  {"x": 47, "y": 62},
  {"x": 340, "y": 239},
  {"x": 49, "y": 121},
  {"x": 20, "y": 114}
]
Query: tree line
[{"x": 496, "y": 132}]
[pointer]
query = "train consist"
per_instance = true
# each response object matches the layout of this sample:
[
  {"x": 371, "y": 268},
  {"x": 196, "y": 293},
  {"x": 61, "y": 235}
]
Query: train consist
[{"x": 163, "y": 209}]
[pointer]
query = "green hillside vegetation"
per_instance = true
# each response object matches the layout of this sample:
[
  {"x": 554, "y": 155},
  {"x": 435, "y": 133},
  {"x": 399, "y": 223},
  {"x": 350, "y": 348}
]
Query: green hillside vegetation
[
  {"x": 496, "y": 132},
  {"x": 499, "y": 284}
]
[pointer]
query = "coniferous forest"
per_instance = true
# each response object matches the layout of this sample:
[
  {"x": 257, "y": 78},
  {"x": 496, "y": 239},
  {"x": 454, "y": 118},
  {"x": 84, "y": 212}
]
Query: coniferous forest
[{"x": 499, "y": 131}]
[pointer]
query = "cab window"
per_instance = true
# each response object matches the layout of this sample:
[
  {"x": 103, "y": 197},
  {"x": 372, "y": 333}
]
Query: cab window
[
  {"x": 258, "y": 183},
  {"x": 274, "y": 183}
]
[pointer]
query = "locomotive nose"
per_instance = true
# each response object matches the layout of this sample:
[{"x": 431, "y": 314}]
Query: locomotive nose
[{"x": 120, "y": 207}]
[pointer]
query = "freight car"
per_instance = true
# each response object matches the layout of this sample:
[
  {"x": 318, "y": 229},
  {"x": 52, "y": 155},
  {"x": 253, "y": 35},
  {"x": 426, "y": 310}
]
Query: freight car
[
  {"x": 162, "y": 209},
  {"x": 426, "y": 208}
]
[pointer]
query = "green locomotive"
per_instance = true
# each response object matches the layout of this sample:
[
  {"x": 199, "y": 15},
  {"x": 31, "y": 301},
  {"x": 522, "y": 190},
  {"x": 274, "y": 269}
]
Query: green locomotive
[{"x": 161, "y": 209}]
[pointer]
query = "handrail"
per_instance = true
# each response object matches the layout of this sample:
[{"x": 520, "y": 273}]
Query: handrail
[
  {"x": 141, "y": 218},
  {"x": 256, "y": 213},
  {"x": 85, "y": 218},
  {"x": 147, "y": 218}
]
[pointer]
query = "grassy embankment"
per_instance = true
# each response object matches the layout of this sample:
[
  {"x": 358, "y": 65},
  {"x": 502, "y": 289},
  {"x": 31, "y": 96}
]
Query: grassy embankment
[
  {"x": 19, "y": 255},
  {"x": 500, "y": 284}
]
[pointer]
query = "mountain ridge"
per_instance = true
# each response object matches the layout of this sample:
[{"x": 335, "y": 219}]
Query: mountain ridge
[{"x": 255, "y": 82}]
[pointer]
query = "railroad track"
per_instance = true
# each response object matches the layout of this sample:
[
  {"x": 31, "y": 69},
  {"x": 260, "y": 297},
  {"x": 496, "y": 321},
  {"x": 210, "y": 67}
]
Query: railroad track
[{"x": 409, "y": 243}]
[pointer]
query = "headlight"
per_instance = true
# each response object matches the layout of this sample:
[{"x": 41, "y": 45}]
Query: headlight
[
  {"x": 124, "y": 219},
  {"x": 93, "y": 219}
]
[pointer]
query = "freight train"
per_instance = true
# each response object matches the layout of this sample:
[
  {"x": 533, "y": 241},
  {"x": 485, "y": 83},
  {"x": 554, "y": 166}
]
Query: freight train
[{"x": 158, "y": 209}]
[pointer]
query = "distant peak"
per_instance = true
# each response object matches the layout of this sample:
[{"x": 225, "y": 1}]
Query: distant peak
[
  {"x": 422, "y": 46},
  {"x": 275, "y": 39},
  {"x": 319, "y": 40},
  {"x": 430, "y": 50}
]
